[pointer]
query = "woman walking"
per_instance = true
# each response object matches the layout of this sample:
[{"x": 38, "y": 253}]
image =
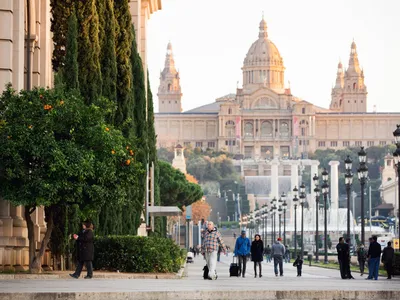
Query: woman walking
[
  {"x": 257, "y": 250},
  {"x": 85, "y": 250}
]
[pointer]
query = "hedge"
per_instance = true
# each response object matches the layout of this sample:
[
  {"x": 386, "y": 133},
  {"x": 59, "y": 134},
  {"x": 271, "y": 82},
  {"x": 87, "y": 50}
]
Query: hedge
[{"x": 137, "y": 254}]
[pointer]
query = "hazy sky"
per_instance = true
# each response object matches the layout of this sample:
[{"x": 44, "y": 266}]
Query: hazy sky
[{"x": 210, "y": 39}]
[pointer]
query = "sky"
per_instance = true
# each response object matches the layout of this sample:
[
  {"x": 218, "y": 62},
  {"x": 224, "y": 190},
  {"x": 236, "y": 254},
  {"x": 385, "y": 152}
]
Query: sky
[{"x": 210, "y": 39}]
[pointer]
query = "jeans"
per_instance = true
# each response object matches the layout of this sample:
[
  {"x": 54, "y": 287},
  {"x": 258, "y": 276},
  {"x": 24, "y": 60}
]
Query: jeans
[
  {"x": 89, "y": 268},
  {"x": 343, "y": 268},
  {"x": 211, "y": 260},
  {"x": 373, "y": 266},
  {"x": 278, "y": 259},
  {"x": 268, "y": 257},
  {"x": 389, "y": 268},
  {"x": 361, "y": 264},
  {"x": 242, "y": 264}
]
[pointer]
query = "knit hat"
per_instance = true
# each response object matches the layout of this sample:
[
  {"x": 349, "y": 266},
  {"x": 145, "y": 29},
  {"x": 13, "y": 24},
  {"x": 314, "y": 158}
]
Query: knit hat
[
  {"x": 243, "y": 231},
  {"x": 279, "y": 239}
]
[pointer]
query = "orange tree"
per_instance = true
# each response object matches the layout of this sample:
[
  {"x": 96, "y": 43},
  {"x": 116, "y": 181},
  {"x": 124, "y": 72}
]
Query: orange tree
[{"x": 55, "y": 150}]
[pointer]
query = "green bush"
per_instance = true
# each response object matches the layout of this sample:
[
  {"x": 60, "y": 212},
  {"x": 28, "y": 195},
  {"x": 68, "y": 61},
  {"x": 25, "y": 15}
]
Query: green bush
[
  {"x": 137, "y": 254},
  {"x": 396, "y": 263}
]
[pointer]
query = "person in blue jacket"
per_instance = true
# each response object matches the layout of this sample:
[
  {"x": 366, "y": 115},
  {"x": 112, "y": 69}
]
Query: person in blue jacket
[{"x": 242, "y": 251}]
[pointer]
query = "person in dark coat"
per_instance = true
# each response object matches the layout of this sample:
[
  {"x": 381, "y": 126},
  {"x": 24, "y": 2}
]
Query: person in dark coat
[
  {"x": 85, "y": 250},
  {"x": 257, "y": 251},
  {"x": 387, "y": 259},
  {"x": 299, "y": 264},
  {"x": 343, "y": 257},
  {"x": 348, "y": 271}
]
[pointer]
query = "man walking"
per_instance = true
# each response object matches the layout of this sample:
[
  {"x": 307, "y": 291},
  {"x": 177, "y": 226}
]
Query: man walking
[
  {"x": 278, "y": 252},
  {"x": 343, "y": 257},
  {"x": 242, "y": 250},
  {"x": 374, "y": 255},
  {"x": 268, "y": 253},
  {"x": 387, "y": 259},
  {"x": 211, "y": 242}
]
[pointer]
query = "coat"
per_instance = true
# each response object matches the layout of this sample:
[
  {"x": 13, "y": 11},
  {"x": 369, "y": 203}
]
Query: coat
[
  {"x": 257, "y": 250},
  {"x": 85, "y": 245},
  {"x": 278, "y": 249},
  {"x": 242, "y": 246}
]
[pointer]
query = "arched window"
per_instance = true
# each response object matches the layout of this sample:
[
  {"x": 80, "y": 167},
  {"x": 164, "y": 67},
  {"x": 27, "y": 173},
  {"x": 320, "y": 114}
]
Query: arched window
[
  {"x": 266, "y": 129},
  {"x": 229, "y": 111},
  {"x": 169, "y": 86},
  {"x": 248, "y": 129},
  {"x": 354, "y": 86},
  {"x": 284, "y": 129},
  {"x": 230, "y": 122}
]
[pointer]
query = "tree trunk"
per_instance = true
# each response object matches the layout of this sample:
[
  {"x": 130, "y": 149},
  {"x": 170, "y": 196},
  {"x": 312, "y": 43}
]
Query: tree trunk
[{"x": 35, "y": 260}]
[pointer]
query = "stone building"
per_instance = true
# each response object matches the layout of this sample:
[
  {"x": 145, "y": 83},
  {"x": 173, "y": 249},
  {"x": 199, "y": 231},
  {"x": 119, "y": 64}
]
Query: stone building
[
  {"x": 263, "y": 120},
  {"x": 14, "y": 41}
]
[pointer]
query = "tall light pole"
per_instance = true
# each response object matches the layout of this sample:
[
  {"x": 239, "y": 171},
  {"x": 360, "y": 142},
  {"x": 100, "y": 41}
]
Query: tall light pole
[
  {"x": 317, "y": 195},
  {"x": 396, "y": 156},
  {"x": 273, "y": 213},
  {"x": 325, "y": 191},
  {"x": 284, "y": 206},
  {"x": 362, "y": 176},
  {"x": 295, "y": 199},
  {"x": 280, "y": 211},
  {"x": 265, "y": 219},
  {"x": 302, "y": 200},
  {"x": 348, "y": 177}
]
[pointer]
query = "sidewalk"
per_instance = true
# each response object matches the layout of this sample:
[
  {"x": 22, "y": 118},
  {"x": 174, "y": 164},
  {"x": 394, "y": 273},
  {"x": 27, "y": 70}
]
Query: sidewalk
[{"x": 316, "y": 283}]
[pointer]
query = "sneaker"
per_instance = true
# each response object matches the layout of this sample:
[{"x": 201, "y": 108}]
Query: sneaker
[
  {"x": 88, "y": 277},
  {"x": 276, "y": 275},
  {"x": 281, "y": 275},
  {"x": 73, "y": 276}
]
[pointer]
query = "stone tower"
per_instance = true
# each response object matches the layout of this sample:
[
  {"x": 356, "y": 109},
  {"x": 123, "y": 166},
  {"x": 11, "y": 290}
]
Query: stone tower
[
  {"x": 388, "y": 172},
  {"x": 179, "y": 159},
  {"x": 350, "y": 92},
  {"x": 169, "y": 91}
]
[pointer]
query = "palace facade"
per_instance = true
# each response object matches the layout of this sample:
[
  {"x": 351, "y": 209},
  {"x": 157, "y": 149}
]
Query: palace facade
[{"x": 263, "y": 119}]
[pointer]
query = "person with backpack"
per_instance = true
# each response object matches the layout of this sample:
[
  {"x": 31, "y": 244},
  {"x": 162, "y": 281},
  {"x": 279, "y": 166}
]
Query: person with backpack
[
  {"x": 361, "y": 258},
  {"x": 257, "y": 250},
  {"x": 299, "y": 264},
  {"x": 242, "y": 250}
]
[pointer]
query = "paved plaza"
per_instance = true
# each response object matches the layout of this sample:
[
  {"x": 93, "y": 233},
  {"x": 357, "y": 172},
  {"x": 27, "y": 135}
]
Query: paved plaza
[{"x": 316, "y": 283}]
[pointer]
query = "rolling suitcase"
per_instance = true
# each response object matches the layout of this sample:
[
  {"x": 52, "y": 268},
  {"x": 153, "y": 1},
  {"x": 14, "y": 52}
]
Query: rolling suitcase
[{"x": 234, "y": 268}]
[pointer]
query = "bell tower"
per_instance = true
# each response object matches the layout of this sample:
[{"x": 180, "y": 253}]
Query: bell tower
[{"x": 169, "y": 91}]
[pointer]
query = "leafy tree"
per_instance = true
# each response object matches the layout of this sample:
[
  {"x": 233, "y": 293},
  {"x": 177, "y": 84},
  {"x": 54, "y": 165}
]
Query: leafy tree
[
  {"x": 89, "y": 51},
  {"x": 123, "y": 47},
  {"x": 71, "y": 69},
  {"x": 200, "y": 210},
  {"x": 177, "y": 191},
  {"x": 57, "y": 151}
]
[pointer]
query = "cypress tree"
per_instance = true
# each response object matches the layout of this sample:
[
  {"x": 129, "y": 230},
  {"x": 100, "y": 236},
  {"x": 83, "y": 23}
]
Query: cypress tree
[
  {"x": 89, "y": 51},
  {"x": 107, "y": 42},
  {"x": 123, "y": 43},
  {"x": 71, "y": 69},
  {"x": 60, "y": 12}
]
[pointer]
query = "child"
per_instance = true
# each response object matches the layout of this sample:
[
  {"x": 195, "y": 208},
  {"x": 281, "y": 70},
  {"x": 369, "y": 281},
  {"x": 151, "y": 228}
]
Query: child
[{"x": 299, "y": 264}]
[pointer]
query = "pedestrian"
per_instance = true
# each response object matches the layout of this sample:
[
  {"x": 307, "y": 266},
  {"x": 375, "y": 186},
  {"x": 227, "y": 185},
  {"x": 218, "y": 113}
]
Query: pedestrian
[
  {"x": 242, "y": 250},
  {"x": 343, "y": 257},
  {"x": 361, "y": 258},
  {"x": 348, "y": 271},
  {"x": 268, "y": 253},
  {"x": 387, "y": 259},
  {"x": 277, "y": 252},
  {"x": 211, "y": 241},
  {"x": 85, "y": 250},
  {"x": 374, "y": 255},
  {"x": 287, "y": 254},
  {"x": 257, "y": 250},
  {"x": 299, "y": 264}
]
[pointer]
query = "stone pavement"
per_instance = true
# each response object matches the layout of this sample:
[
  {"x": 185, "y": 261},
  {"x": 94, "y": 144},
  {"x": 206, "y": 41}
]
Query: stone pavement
[{"x": 316, "y": 283}]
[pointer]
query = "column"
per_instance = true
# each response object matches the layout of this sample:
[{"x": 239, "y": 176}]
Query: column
[
  {"x": 6, "y": 233},
  {"x": 314, "y": 170},
  {"x": 294, "y": 175},
  {"x": 6, "y": 42},
  {"x": 18, "y": 45},
  {"x": 45, "y": 45},
  {"x": 274, "y": 179},
  {"x": 334, "y": 187}
]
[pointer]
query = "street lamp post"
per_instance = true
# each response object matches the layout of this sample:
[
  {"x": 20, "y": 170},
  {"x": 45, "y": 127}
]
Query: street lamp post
[
  {"x": 280, "y": 210},
  {"x": 265, "y": 216},
  {"x": 273, "y": 213},
  {"x": 362, "y": 176},
  {"x": 317, "y": 195},
  {"x": 302, "y": 200},
  {"x": 325, "y": 191},
  {"x": 348, "y": 181},
  {"x": 396, "y": 156},
  {"x": 284, "y": 206},
  {"x": 295, "y": 199}
]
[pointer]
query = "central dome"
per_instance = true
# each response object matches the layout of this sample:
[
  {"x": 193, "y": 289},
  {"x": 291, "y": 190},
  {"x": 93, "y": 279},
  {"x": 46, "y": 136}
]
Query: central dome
[
  {"x": 263, "y": 63},
  {"x": 263, "y": 52}
]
